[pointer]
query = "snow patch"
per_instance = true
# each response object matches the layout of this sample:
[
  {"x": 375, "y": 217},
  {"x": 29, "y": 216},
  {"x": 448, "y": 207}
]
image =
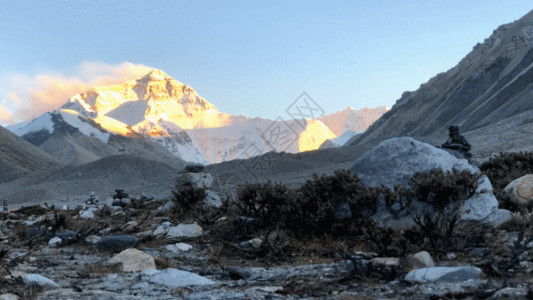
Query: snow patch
[
  {"x": 74, "y": 119},
  {"x": 44, "y": 121}
]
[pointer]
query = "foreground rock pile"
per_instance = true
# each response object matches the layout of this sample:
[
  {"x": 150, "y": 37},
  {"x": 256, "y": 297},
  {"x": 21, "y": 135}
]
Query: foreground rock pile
[{"x": 137, "y": 249}]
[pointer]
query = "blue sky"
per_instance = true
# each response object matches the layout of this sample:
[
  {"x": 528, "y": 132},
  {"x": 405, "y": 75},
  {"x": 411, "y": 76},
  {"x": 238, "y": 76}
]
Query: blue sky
[{"x": 248, "y": 57}]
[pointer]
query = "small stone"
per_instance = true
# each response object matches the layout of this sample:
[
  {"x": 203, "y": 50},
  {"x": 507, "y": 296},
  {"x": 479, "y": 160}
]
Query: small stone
[
  {"x": 420, "y": 260},
  {"x": 133, "y": 260},
  {"x": 451, "y": 256},
  {"x": 386, "y": 261},
  {"x": 67, "y": 235},
  {"x": 88, "y": 213},
  {"x": 253, "y": 243},
  {"x": 236, "y": 273},
  {"x": 212, "y": 199},
  {"x": 178, "y": 247},
  {"x": 92, "y": 239},
  {"x": 443, "y": 274},
  {"x": 185, "y": 230},
  {"x": 55, "y": 241},
  {"x": 38, "y": 280},
  {"x": 117, "y": 242},
  {"x": 162, "y": 229},
  {"x": 9, "y": 296}
]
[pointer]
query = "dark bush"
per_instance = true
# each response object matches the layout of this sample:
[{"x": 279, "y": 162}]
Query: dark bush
[
  {"x": 442, "y": 189},
  {"x": 309, "y": 212},
  {"x": 265, "y": 202},
  {"x": 505, "y": 168},
  {"x": 315, "y": 209},
  {"x": 188, "y": 200}
]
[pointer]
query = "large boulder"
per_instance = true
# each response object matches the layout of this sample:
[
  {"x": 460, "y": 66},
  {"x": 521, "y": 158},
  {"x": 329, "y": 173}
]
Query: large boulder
[
  {"x": 520, "y": 190},
  {"x": 396, "y": 160}
]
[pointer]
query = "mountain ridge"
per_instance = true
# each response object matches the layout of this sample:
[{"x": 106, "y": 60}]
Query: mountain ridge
[
  {"x": 490, "y": 84},
  {"x": 173, "y": 115}
]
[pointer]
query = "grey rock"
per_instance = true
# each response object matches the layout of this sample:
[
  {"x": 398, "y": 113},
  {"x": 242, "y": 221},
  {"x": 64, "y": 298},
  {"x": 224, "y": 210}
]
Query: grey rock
[
  {"x": 173, "y": 278},
  {"x": 498, "y": 217},
  {"x": 35, "y": 232},
  {"x": 236, "y": 273},
  {"x": 185, "y": 230},
  {"x": 451, "y": 256},
  {"x": 520, "y": 190},
  {"x": 133, "y": 260},
  {"x": 419, "y": 260},
  {"x": 67, "y": 235},
  {"x": 443, "y": 274},
  {"x": 168, "y": 206},
  {"x": 484, "y": 185},
  {"x": 478, "y": 207},
  {"x": 162, "y": 229},
  {"x": 480, "y": 252},
  {"x": 396, "y": 160},
  {"x": 88, "y": 213},
  {"x": 68, "y": 294},
  {"x": 55, "y": 241},
  {"x": 386, "y": 261},
  {"x": 117, "y": 242},
  {"x": 9, "y": 296},
  {"x": 212, "y": 199},
  {"x": 178, "y": 247},
  {"x": 510, "y": 293},
  {"x": 38, "y": 280}
]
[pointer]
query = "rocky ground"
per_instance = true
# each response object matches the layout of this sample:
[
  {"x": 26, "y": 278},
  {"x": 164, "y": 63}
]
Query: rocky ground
[
  {"x": 135, "y": 247},
  {"x": 137, "y": 253}
]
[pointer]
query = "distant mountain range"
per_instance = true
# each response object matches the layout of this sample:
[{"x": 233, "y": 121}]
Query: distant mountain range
[
  {"x": 139, "y": 134},
  {"x": 156, "y": 113},
  {"x": 489, "y": 94}
]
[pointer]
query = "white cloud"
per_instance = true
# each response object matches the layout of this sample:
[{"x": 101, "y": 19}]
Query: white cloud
[{"x": 30, "y": 96}]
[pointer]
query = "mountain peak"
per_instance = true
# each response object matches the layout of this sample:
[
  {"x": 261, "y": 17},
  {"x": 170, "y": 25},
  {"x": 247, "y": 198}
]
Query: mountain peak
[{"x": 156, "y": 75}]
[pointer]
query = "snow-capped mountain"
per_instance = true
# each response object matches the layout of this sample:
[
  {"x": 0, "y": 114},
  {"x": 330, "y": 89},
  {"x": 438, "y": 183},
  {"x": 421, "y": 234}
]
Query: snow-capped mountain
[
  {"x": 350, "y": 119},
  {"x": 173, "y": 115}
]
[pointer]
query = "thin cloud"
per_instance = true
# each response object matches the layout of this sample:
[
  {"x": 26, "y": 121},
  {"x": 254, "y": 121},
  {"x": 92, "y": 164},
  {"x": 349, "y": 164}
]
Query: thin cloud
[
  {"x": 5, "y": 114},
  {"x": 29, "y": 97}
]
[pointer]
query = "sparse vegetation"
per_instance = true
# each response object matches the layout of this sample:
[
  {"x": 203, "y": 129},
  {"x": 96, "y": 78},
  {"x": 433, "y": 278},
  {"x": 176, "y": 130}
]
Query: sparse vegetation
[
  {"x": 505, "y": 168},
  {"x": 187, "y": 201}
]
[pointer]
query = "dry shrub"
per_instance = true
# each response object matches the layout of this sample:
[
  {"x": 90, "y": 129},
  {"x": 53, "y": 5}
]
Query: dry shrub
[
  {"x": 505, "y": 168},
  {"x": 188, "y": 202}
]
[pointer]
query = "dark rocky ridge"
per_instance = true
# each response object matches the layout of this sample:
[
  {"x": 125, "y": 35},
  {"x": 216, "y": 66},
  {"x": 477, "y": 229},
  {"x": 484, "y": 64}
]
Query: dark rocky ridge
[
  {"x": 492, "y": 83},
  {"x": 18, "y": 157}
]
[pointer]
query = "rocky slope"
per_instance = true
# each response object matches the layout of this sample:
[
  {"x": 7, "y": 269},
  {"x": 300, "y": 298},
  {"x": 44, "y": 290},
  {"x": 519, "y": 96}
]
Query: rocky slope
[
  {"x": 491, "y": 84},
  {"x": 18, "y": 157}
]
